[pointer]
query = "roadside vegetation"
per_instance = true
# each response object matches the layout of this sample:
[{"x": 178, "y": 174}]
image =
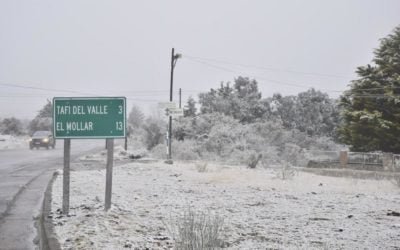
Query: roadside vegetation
[{"x": 235, "y": 124}]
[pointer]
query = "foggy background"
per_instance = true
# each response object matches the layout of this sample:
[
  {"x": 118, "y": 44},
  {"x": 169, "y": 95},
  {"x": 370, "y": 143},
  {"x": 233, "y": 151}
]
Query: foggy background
[{"x": 123, "y": 48}]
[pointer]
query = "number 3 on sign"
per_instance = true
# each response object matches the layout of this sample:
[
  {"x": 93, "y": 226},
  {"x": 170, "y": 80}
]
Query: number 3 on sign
[
  {"x": 118, "y": 126},
  {"x": 120, "y": 110}
]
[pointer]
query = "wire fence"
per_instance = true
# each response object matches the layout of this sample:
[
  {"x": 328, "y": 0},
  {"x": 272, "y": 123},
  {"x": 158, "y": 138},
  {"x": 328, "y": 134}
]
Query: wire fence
[
  {"x": 323, "y": 156},
  {"x": 396, "y": 162},
  {"x": 364, "y": 158},
  {"x": 353, "y": 160}
]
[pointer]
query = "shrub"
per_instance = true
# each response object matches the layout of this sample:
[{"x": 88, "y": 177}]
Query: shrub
[
  {"x": 197, "y": 230},
  {"x": 136, "y": 140},
  {"x": 293, "y": 155},
  {"x": 154, "y": 133},
  {"x": 201, "y": 167},
  {"x": 185, "y": 150},
  {"x": 219, "y": 137},
  {"x": 159, "y": 151},
  {"x": 253, "y": 160},
  {"x": 286, "y": 172}
]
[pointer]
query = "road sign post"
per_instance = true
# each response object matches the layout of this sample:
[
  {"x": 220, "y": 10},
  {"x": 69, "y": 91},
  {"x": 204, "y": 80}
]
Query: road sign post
[
  {"x": 109, "y": 168},
  {"x": 171, "y": 111},
  {"x": 66, "y": 176},
  {"x": 89, "y": 118}
]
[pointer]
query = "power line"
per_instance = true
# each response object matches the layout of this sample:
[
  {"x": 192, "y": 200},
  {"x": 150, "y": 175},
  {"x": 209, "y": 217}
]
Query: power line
[
  {"x": 377, "y": 88},
  {"x": 265, "y": 68},
  {"x": 263, "y": 78},
  {"x": 374, "y": 96},
  {"x": 43, "y": 89},
  {"x": 203, "y": 61}
]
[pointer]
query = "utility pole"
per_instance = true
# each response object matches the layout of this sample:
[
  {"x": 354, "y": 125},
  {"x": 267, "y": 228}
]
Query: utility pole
[{"x": 174, "y": 58}]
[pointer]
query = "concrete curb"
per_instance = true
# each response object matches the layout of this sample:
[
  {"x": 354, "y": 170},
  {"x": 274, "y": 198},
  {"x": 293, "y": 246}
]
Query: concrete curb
[
  {"x": 16, "y": 195},
  {"x": 48, "y": 239}
]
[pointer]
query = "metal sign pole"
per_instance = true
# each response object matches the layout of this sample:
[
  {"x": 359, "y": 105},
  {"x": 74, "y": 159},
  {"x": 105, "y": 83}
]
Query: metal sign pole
[
  {"x": 109, "y": 168},
  {"x": 88, "y": 118},
  {"x": 66, "y": 176}
]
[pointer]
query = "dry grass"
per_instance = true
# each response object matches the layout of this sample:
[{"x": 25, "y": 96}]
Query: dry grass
[
  {"x": 201, "y": 167},
  {"x": 196, "y": 230},
  {"x": 253, "y": 160},
  {"x": 286, "y": 172}
]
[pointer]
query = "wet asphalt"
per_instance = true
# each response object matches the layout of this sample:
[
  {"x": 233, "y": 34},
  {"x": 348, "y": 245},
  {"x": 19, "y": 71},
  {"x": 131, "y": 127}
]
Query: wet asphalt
[{"x": 24, "y": 176}]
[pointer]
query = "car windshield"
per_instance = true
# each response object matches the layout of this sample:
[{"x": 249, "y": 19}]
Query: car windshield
[{"x": 41, "y": 133}]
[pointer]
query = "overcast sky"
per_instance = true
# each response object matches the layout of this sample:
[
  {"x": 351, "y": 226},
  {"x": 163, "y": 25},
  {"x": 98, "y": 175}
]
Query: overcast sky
[{"x": 123, "y": 48}]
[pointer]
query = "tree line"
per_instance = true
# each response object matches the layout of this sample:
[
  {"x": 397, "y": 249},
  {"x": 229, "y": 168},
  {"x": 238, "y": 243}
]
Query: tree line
[{"x": 366, "y": 117}]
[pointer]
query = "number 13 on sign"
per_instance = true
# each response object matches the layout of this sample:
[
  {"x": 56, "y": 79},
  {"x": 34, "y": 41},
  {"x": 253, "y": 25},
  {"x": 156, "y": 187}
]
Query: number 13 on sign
[{"x": 119, "y": 126}]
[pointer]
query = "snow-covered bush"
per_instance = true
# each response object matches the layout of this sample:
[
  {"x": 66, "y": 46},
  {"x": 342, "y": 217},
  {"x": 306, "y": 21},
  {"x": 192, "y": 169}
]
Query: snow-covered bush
[
  {"x": 159, "y": 151},
  {"x": 185, "y": 150},
  {"x": 154, "y": 132},
  {"x": 253, "y": 160},
  {"x": 219, "y": 137},
  {"x": 293, "y": 155},
  {"x": 238, "y": 156},
  {"x": 136, "y": 139},
  {"x": 285, "y": 172},
  {"x": 196, "y": 230},
  {"x": 201, "y": 167},
  {"x": 325, "y": 144}
]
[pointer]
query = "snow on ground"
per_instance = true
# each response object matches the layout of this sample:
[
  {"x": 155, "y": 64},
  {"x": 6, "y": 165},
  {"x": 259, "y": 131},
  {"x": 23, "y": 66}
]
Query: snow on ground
[
  {"x": 120, "y": 154},
  {"x": 259, "y": 210},
  {"x": 13, "y": 142}
]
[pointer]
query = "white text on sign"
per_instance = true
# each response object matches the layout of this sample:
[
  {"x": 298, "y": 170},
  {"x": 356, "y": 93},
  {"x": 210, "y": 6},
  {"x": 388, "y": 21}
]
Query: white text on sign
[
  {"x": 74, "y": 126},
  {"x": 82, "y": 110}
]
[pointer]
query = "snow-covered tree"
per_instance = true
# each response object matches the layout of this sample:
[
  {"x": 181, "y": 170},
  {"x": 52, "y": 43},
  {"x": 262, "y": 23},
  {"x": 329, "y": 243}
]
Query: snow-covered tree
[
  {"x": 154, "y": 132},
  {"x": 311, "y": 111},
  {"x": 242, "y": 101},
  {"x": 43, "y": 120},
  {"x": 220, "y": 100},
  {"x": 371, "y": 108},
  {"x": 190, "y": 108},
  {"x": 11, "y": 126},
  {"x": 136, "y": 117},
  {"x": 317, "y": 114},
  {"x": 284, "y": 108}
]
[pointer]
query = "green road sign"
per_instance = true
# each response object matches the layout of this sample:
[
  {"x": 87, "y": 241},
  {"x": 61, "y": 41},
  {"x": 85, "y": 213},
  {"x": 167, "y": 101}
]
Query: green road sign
[{"x": 89, "y": 117}]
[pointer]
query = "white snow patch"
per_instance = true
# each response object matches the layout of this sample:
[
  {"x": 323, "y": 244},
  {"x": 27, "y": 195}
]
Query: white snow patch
[
  {"x": 13, "y": 142},
  {"x": 120, "y": 154},
  {"x": 260, "y": 211}
]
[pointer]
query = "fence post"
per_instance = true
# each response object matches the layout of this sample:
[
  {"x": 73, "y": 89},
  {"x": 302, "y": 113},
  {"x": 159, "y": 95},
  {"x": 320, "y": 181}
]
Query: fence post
[
  {"x": 343, "y": 159},
  {"x": 387, "y": 161}
]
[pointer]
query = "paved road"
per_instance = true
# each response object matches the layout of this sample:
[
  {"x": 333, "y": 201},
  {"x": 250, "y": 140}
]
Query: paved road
[{"x": 24, "y": 175}]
